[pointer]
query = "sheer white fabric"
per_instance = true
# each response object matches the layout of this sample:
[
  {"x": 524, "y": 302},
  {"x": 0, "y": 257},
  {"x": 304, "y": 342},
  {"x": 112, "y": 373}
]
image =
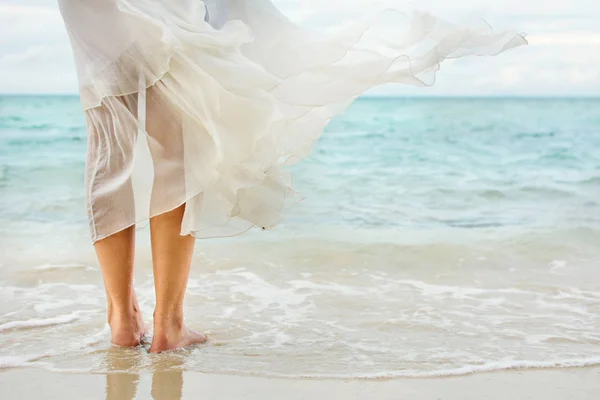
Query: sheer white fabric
[{"x": 204, "y": 103}]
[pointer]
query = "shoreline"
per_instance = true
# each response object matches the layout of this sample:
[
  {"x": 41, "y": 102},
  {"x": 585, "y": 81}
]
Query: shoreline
[{"x": 549, "y": 384}]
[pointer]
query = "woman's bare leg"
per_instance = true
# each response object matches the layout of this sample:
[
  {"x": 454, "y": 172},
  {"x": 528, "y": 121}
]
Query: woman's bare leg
[
  {"x": 116, "y": 255},
  {"x": 172, "y": 257}
]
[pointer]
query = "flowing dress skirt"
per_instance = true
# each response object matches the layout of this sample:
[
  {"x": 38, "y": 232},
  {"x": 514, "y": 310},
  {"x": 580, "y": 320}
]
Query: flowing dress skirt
[{"x": 206, "y": 103}]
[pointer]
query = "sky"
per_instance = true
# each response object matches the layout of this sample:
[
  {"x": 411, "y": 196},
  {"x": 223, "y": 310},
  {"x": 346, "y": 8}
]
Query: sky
[{"x": 563, "y": 58}]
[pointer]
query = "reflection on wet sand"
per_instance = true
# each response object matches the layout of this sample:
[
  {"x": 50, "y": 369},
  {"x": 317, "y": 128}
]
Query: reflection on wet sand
[
  {"x": 167, "y": 385},
  {"x": 121, "y": 386},
  {"x": 122, "y": 383}
]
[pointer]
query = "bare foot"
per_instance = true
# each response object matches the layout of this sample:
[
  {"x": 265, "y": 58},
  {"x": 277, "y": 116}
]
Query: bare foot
[
  {"x": 170, "y": 333},
  {"x": 127, "y": 329}
]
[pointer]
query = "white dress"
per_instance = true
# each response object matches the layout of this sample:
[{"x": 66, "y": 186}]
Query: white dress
[{"x": 205, "y": 103}]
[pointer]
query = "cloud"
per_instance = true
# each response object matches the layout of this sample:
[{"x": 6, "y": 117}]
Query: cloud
[
  {"x": 38, "y": 69},
  {"x": 35, "y": 54},
  {"x": 562, "y": 58}
]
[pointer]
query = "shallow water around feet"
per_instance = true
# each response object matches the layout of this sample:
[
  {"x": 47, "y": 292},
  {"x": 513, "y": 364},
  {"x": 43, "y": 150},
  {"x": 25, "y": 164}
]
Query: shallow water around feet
[{"x": 437, "y": 237}]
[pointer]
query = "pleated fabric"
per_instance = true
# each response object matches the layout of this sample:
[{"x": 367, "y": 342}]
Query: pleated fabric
[{"x": 206, "y": 103}]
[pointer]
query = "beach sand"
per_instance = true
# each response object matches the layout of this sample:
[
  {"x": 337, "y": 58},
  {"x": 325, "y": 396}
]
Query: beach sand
[{"x": 560, "y": 384}]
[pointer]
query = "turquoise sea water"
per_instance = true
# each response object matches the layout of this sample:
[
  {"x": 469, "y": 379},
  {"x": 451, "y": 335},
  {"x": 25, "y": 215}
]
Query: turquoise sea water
[
  {"x": 423, "y": 163},
  {"x": 437, "y": 236}
]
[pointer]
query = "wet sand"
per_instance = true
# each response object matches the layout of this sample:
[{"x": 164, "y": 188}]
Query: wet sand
[{"x": 561, "y": 384}]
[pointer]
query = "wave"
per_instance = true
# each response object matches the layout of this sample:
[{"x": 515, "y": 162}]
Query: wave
[
  {"x": 62, "y": 267},
  {"x": 536, "y": 135},
  {"x": 20, "y": 361},
  {"x": 24, "y": 126},
  {"x": 40, "y": 322},
  {"x": 42, "y": 141},
  {"x": 459, "y": 371},
  {"x": 514, "y": 365}
]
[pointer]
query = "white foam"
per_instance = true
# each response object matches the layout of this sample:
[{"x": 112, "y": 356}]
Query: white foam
[
  {"x": 98, "y": 337},
  {"x": 557, "y": 264},
  {"x": 19, "y": 361},
  {"x": 563, "y": 306},
  {"x": 281, "y": 339},
  {"x": 228, "y": 312},
  {"x": 327, "y": 287},
  {"x": 457, "y": 291},
  {"x": 577, "y": 294},
  {"x": 51, "y": 267},
  {"x": 46, "y": 306},
  {"x": 537, "y": 339},
  {"x": 13, "y": 362},
  {"x": 459, "y": 371},
  {"x": 265, "y": 294},
  {"x": 40, "y": 322}
]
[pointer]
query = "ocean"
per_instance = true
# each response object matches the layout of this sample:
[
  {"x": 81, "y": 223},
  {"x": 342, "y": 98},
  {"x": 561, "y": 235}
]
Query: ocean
[{"x": 437, "y": 237}]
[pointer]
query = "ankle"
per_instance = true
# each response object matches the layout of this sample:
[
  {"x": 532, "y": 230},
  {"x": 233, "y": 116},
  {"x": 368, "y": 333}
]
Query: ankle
[
  {"x": 168, "y": 314},
  {"x": 125, "y": 318},
  {"x": 122, "y": 314},
  {"x": 169, "y": 321},
  {"x": 126, "y": 326}
]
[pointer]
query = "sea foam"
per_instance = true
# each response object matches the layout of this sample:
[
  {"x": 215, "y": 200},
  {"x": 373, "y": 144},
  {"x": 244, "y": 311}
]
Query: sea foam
[{"x": 40, "y": 322}]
